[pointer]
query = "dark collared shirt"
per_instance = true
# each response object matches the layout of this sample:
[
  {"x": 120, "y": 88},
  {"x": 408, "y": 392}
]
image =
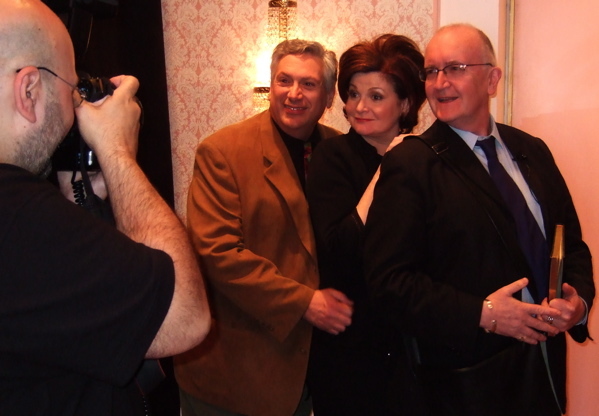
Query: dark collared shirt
[{"x": 297, "y": 151}]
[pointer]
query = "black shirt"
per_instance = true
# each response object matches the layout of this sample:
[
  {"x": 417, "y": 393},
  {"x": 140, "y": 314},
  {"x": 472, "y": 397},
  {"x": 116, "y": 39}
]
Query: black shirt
[{"x": 297, "y": 150}]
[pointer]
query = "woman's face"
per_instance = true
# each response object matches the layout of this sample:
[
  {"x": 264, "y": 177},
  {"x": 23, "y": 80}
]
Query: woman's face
[{"x": 373, "y": 108}]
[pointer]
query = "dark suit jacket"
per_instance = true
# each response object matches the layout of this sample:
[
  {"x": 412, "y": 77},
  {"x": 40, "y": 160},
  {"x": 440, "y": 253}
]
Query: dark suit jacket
[
  {"x": 432, "y": 253},
  {"x": 250, "y": 225}
]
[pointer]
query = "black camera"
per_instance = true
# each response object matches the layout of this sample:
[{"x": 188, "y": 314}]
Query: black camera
[{"x": 73, "y": 153}]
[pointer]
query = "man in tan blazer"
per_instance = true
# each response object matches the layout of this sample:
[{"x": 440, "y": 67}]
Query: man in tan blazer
[{"x": 248, "y": 219}]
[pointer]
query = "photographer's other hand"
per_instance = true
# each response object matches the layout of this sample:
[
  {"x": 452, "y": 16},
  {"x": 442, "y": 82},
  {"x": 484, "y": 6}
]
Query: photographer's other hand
[{"x": 111, "y": 125}]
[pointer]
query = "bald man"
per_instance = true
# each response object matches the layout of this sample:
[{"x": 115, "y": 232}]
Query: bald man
[{"x": 81, "y": 303}]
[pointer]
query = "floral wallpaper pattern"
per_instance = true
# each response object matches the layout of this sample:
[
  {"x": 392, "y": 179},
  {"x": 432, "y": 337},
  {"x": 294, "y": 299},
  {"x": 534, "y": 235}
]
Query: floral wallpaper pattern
[{"x": 213, "y": 46}]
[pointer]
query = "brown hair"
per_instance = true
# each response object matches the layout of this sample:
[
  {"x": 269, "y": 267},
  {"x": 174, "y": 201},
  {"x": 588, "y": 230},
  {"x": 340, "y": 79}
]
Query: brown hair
[{"x": 399, "y": 59}]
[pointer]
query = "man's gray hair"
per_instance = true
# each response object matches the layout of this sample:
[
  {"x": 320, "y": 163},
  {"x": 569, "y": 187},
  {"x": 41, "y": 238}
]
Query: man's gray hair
[{"x": 301, "y": 47}]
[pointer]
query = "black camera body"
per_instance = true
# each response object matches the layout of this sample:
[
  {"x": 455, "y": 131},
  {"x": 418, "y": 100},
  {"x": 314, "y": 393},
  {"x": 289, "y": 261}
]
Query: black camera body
[
  {"x": 95, "y": 88},
  {"x": 73, "y": 153}
]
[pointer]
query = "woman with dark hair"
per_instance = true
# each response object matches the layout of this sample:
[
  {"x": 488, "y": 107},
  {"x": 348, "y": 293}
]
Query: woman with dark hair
[{"x": 351, "y": 373}]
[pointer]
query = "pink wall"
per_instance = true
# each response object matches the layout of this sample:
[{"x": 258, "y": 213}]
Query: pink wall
[{"x": 556, "y": 97}]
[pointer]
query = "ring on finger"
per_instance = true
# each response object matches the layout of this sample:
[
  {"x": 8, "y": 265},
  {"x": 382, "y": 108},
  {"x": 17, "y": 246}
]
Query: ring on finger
[
  {"x": 550, "y": 320},
  {"x": 521, "y": 339}
]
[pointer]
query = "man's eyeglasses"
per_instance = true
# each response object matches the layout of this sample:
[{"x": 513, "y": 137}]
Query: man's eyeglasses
[
  {"x": 451, "y": 71},
  {"x": 78, "y": 94}
]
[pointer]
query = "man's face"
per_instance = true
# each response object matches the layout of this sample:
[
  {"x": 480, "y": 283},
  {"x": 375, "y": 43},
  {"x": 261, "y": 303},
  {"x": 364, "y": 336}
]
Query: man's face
[
  {"x": 462, "y": 102},
  {"x": 298, "y": 96}
]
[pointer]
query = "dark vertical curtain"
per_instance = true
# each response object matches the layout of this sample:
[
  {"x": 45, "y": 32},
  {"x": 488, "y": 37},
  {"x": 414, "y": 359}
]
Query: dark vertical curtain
[{"x": 113, "y": 37}]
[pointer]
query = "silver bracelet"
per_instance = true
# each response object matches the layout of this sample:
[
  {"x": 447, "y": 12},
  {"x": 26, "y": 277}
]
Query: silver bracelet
[{"x": 494, "y": 321}]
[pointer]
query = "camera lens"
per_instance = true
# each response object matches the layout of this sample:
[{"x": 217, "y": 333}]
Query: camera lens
[{"x": 96, "y": 88}]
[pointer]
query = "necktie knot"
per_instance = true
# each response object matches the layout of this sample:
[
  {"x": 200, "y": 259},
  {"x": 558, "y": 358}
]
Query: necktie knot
[{"x": 488, "y": 146}]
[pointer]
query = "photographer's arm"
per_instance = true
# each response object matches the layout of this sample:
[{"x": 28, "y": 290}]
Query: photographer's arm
[{"x": 110, "y": 128}]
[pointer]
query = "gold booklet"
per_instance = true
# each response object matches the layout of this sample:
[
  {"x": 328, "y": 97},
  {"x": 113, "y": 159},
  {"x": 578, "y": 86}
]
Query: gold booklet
[{"x": 557, "y": 264}]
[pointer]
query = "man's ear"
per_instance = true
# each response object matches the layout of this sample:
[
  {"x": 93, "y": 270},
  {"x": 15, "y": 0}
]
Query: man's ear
[
  {"x": 494, "y": 77},
  {"x": 330, "y": 97},
  {"x": 26, "y": 89}
]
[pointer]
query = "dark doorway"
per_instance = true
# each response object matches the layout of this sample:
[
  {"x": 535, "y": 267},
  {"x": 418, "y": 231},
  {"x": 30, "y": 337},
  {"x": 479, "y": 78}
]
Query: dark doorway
[{"x": 113, "y": 37}]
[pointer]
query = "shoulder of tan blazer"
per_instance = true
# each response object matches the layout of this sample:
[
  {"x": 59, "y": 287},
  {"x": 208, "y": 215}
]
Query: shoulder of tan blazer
[
  {"x": 243, "y": 140},
  {"x": 238, "y": 133}
]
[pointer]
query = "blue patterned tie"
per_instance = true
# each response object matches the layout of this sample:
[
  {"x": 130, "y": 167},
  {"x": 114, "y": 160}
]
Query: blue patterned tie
[{"x": 531, "y": 239}]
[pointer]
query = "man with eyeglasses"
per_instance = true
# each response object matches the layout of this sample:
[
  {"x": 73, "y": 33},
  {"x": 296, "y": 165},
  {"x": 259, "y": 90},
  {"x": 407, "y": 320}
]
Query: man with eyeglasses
[
  {"x": 81, "y": 303},
  {"x": 457, "y": 247}
]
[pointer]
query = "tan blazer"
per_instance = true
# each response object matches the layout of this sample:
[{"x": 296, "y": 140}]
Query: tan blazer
[{"x": 249, "y": 222}]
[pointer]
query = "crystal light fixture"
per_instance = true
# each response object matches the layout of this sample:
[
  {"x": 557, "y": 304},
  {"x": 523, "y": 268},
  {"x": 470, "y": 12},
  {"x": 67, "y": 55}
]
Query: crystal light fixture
[
  {"x": 282, "y": 23},
  {"x": 282, "y": 20}
]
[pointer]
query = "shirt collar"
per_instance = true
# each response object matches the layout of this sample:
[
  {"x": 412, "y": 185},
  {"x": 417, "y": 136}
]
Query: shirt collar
[{"x": 470, "y": 138}]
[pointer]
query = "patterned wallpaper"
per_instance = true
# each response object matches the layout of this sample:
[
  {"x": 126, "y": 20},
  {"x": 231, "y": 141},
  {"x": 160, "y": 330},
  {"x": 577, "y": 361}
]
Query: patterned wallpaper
[{"x": 213, "y": 46}]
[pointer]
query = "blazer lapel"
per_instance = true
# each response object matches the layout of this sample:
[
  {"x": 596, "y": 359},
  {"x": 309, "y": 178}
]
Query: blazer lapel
[
  {"x": 520, "y": 154},
  {"x": 466, "y": 161},
  {"x": 280, "y": 172}
]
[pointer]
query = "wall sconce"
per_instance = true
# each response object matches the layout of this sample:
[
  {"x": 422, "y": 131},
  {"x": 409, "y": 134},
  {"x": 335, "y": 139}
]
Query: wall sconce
[
  {"x": 260, "y": 98},
  {"x": 282, "y": 23},
  {"x": 282, "y": 20}
]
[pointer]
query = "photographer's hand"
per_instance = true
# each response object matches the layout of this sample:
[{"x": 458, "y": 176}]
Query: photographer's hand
[{"x": 112, "y": 124}]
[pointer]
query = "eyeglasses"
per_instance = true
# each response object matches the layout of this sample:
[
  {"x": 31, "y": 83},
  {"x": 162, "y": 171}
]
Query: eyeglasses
[
  {"x": 78, "y": 94},
  {"x": 451, "y": 71}
]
